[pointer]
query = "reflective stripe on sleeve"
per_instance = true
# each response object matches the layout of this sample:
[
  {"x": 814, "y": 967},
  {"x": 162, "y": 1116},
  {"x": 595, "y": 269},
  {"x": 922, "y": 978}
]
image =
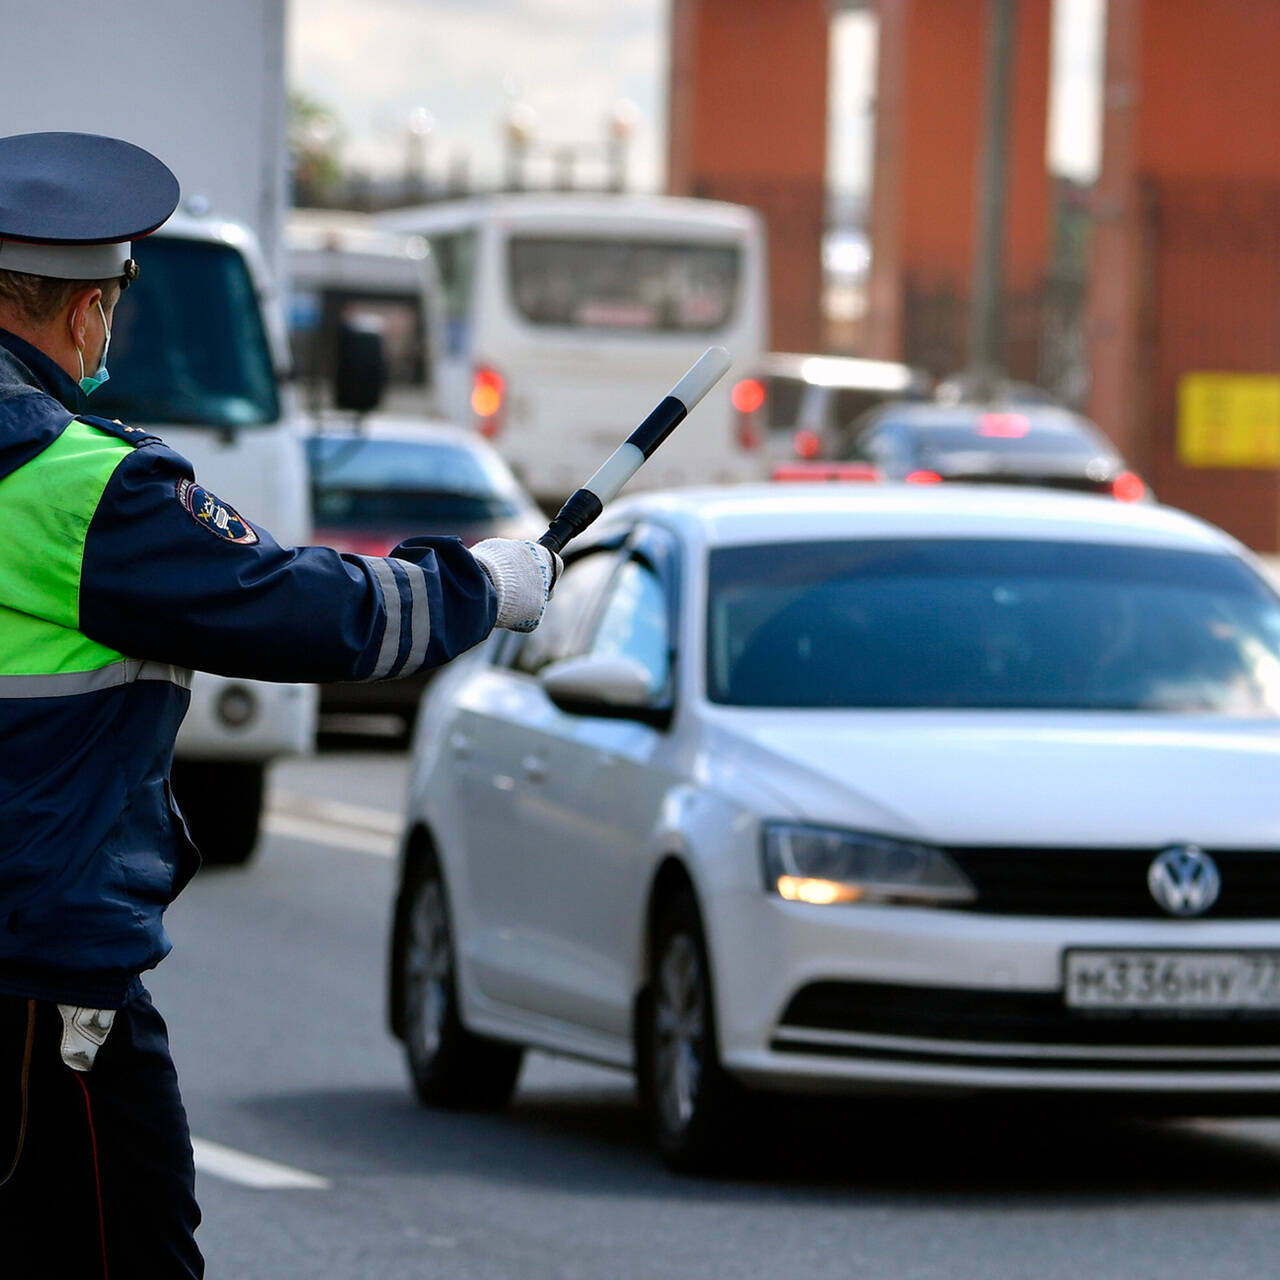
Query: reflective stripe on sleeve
[
  {"x": 419, "y": 617},
  {"x": 65, "y": 684},
  {"x": 390, "y": 590}
]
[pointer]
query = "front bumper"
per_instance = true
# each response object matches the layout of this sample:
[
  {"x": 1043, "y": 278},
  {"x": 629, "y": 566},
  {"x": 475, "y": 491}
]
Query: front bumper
[{"x": 893, "y": 999}]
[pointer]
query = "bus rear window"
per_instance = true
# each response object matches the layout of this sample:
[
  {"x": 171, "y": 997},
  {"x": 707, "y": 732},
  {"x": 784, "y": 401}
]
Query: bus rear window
[{"x": 616, "y": 284}]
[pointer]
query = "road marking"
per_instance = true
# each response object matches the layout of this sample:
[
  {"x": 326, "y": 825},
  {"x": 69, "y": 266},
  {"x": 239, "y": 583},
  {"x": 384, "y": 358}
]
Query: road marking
[
  {"x": 252, "y": 1171},
  {"x": 353, "y": 839},
  {"x": 356, "y": 828},
  {"x": 346, "y": 815}
]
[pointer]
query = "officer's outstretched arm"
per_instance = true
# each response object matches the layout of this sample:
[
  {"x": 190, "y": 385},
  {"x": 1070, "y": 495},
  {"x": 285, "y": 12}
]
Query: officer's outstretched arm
[{"x": 172, "y": 573}]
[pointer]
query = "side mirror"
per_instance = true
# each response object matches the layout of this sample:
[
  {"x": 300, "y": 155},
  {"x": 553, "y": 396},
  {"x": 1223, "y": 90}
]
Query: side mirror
[
  {"x": 360, "y": 369},
  {"x": 603, "y": 685}
]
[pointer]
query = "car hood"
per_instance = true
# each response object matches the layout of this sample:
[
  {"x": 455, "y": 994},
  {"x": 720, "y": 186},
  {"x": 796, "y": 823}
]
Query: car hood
[{"x": 1099, "y": 779}]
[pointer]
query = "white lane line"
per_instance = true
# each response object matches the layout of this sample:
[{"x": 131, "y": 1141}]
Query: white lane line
[
  {"x": 345, "y": 815},
  {"x": 353, "y": 839},
  {"x": 252, "y": 1171}
]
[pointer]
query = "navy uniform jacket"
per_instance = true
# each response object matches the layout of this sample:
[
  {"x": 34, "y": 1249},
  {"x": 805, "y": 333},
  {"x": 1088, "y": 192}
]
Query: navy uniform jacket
[{"x": 170, "y": 578}]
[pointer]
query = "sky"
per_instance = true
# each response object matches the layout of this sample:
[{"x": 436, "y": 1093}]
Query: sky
[{"x": 448, "y": 74}]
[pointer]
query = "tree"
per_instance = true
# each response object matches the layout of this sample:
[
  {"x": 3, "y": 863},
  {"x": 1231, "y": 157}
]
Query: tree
[{"x": 315, "y": 151}]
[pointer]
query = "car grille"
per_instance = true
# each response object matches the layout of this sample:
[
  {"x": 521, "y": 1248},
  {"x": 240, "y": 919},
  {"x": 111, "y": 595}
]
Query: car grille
[
  {"x": 937, "y": 1015},
  {"x": 1109, "y": 882}
]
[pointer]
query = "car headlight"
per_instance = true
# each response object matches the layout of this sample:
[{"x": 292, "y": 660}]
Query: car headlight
[{"x": 826, "y": 865}]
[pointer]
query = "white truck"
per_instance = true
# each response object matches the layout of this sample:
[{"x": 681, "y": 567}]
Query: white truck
[{"x": 198, "y": 348}]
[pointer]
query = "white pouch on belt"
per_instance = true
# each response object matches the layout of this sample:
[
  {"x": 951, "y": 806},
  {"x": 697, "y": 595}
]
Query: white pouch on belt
[{"x": 84, "y": 1032}]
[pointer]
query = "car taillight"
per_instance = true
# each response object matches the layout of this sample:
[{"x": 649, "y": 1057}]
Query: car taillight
[
  {"x": 802, "y": 472},
  {"x": 487, "y": 393},
  {"x": 1128, "y": 487},
  {"x": 806, "y": 443},
  {"x": 924, "y": 477},
  {"x": 747, "y": 398}
]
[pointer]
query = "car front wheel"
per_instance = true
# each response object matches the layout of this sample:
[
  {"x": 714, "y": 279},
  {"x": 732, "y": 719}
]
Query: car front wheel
[
  {"x": 688, "y": 1099},
  {"x": 449, "y": 1066}
]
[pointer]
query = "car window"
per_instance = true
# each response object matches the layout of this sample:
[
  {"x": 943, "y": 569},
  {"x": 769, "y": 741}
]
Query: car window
[
  {"x": 634, "y": 623},
  {"x": 455, "y": 258},
  {"x": 783, "y": 396},
  {"x": 364, "y": 482},
  {"x": 317, "y": 314},
  {"x": 990, "y": 624},
  {"x": 881, "y": 443},
  {"x": 572, "y": 606}
]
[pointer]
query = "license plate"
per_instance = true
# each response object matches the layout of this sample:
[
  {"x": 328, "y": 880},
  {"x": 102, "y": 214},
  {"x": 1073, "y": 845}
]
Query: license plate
[{"x": 1172, "y": 980}]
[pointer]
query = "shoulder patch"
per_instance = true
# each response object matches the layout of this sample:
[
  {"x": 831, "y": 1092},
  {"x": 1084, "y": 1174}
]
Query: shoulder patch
[{"x": 212, "y": 513}]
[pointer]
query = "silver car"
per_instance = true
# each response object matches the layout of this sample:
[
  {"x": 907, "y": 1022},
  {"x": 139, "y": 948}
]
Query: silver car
[{"x": 877, "y": 790}]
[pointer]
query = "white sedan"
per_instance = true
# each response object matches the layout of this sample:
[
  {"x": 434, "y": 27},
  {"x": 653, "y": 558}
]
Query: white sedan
[{"x": 878, "y": 790}]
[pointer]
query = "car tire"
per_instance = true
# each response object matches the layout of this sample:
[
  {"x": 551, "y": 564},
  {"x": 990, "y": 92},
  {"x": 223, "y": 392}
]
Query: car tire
[
  {"x": 449, "y": 1065},
  {"x": 690, "y": 1103},
  {"x": 221, "y": 802}
]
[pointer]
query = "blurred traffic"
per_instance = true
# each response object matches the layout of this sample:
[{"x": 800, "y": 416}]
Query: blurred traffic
[{"x": 892, "y": 736}]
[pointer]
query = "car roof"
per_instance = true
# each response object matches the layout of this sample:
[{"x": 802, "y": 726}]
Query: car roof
[
  {"x": 405, "y": 431},
  {"x": 746, "y": 514},
  {"x": 888, "y": 376}
]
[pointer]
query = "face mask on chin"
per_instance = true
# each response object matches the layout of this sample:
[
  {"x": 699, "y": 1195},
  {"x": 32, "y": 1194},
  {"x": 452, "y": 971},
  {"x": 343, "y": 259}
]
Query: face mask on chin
[{"x": 89, "y": 383}]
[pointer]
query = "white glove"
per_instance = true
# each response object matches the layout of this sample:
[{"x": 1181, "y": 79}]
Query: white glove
[{"x": 523, "y": 574}]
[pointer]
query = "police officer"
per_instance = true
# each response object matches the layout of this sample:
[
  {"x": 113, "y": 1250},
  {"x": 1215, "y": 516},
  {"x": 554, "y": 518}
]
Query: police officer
[{"x": 119, "y": 574}]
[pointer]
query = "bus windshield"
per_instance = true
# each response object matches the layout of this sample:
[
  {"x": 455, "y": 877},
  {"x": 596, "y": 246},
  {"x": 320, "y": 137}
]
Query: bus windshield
[
  {"x": 187, "y": 343},
  {"x": 620, "y": 284}
]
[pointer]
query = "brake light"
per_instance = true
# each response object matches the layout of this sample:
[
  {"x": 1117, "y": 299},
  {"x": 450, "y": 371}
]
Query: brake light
[
  {"x": 802, "y": 472},
  {"x": 488, "y": 388},
  {"x": 806, "y": 443},
  {"x": 747, "y": 398},
  {"x": 748, "y": 395},
  {"x": 1004, "y": 426},
  {"x": 924, "y": 477},
  {"x": 1128, "y": 487}
]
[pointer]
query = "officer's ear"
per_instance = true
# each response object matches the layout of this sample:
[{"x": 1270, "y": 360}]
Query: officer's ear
[{"x": 81, "y": 302}]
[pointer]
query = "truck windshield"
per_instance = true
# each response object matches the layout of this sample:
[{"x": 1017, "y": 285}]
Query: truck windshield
[{"x": 187, "y": 342}]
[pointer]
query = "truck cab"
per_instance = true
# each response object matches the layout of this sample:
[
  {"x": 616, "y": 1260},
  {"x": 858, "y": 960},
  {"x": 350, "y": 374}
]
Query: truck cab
[{"x": 198, "y": 357}]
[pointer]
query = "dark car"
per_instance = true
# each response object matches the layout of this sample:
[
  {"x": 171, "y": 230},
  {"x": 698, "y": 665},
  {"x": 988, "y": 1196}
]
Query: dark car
[
  {"x": 373, "y": 486},
  {"x": 1013, "y": 442}
]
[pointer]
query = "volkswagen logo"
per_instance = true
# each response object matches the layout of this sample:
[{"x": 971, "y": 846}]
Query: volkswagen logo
[{"x": 1184, "y": 880}]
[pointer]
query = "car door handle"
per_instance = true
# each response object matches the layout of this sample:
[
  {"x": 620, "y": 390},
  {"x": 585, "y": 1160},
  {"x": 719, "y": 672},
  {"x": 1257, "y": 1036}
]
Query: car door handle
[
  {"x": 461, "y": 745},
  {"x": 535, "y": 768}
]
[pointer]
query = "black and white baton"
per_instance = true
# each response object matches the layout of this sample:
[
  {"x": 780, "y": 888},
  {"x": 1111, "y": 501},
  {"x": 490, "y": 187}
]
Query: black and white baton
[{"x": 585, "y": 504}]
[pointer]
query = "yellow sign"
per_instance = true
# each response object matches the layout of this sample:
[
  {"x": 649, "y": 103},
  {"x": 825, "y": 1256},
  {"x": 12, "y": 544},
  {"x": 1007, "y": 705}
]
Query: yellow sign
[{"x": 1229, "y": 420}]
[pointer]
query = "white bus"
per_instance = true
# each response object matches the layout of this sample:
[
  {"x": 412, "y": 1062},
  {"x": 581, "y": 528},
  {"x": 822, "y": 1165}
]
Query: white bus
[{"x": 569, "y": 316}]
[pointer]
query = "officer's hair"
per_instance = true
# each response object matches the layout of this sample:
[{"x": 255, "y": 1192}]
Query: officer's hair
[{"x": 38, "y": 299}]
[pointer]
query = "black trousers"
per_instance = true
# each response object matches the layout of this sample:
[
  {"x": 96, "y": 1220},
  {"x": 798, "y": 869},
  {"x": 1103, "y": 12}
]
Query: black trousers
[{"x": 104, "y": 1183}]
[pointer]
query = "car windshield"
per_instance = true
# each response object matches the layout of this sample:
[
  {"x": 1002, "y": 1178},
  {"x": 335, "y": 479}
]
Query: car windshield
[
  {"x": 361, "y": 483},
  {"x": 991, "y": 624},
  {"x": 187, "y": 343},
  {"x": 622, "y": 284}
]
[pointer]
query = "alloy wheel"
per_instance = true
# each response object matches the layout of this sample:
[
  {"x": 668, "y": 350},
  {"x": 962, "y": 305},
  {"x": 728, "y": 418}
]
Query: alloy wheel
[
  {"x": 428, "y": 964},
  {"x": 680, "y": 1023}
]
